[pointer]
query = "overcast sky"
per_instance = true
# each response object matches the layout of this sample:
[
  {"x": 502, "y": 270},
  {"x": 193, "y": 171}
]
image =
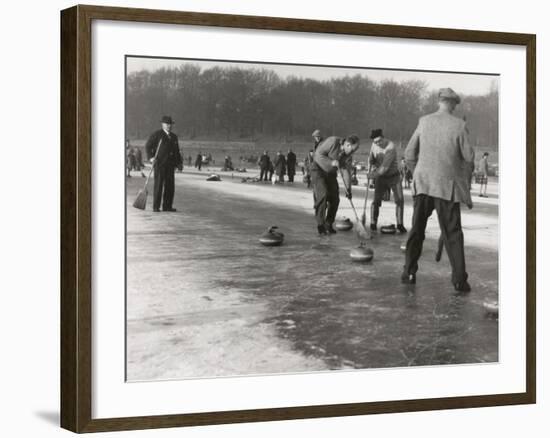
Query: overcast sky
[{"x": 462, "y": 83}]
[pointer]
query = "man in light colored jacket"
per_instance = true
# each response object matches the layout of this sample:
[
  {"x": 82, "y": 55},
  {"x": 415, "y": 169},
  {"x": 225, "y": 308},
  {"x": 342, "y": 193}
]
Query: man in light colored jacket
[
  {"x": 385, "y": 172},
  {"x": 442, "y": 160}
]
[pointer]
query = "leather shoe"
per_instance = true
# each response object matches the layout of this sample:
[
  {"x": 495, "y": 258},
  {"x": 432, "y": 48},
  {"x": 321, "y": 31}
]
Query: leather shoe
[
  {"x": 156, "y": 210},
  {"x": 401, "y": 229},
  {"x": 330, "y": 229},
  {"x": 321, "y": 230},
  {"x": 373, "y": 227},
  {"x": 169, "y": 209},
  {"x": 462, "y": 286}
]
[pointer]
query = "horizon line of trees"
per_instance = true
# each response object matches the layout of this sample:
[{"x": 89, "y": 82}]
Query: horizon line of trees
[{"x": 233, "y": 103}]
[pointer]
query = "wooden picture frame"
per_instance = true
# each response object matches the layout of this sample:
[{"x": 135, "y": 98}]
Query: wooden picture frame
[{"x": 76, "y": 218}]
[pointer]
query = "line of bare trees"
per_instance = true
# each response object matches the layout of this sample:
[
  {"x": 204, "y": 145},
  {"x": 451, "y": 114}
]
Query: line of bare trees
[{"x": 250, "y": 103}]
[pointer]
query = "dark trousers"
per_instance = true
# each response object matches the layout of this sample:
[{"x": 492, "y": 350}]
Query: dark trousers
[
  {"x": 263, "y": 174},
  {"x": 381, "y": 186},
  {"x": 291, "y": 171},
  {"x": 448, "y": 213},
  {"x": 164, "y": 187},
  {"x": 326, "y": 196}
]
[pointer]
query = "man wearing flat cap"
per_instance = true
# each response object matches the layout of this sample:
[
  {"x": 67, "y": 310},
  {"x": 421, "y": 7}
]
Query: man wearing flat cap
[
  {"x": 317, "y": 138},
  {"x": 385, "y": 173},
  {"x": 164, "y": 153},
  {"x": 442, "y": 160}
]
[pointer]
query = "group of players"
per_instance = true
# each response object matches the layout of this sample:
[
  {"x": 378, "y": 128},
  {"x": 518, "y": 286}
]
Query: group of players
[
  {"x": 441, "y": 160},
  {"x": 383, "y": 170},
  {"x": 438, "y": 155}
]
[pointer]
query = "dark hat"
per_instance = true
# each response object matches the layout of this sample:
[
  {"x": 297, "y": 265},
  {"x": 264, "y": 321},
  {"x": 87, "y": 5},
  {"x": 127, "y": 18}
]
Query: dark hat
[
  {"x": 448, "y": 93},
  {"x": 316, "y": 133},
  {"x": 167, "y": 119},
  {"x": 375, "y": 133}
]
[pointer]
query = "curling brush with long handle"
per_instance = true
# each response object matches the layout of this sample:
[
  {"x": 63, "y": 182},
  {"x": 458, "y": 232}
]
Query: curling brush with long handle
[
  {"x": 360, "y": 228},
  {"x": 141, "y": 198}
]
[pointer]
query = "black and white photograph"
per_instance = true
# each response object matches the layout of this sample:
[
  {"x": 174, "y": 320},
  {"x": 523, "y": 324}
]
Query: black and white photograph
[
  {"x": 275, "y": 219},
  {"x": 308, "y": 218}
]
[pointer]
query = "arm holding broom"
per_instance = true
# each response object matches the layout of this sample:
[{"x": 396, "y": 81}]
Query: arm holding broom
[
  {"x": 345, "y": 166},
  {"x": 141, "y": 198},
  {"x": 331, "y": 156},
  {"x": 152, "y": 146}
]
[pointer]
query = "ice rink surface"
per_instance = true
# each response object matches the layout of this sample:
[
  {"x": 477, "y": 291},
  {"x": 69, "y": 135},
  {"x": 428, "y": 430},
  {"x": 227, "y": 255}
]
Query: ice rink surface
[{"x": 205, "y": 299}]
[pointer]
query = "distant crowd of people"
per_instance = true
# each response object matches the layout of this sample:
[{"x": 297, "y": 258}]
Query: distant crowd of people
[
  {"x": 279, "y": 167},
  {"x": 134, "y": 160}
]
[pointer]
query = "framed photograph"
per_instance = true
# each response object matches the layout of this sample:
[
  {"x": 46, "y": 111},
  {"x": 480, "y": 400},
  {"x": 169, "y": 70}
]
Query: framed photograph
[{"x": 268, "y": 219}]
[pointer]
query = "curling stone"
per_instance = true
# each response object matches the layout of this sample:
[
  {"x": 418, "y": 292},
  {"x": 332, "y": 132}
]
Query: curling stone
[
  {"x": 344, "y": 224},
  {"x": 361, "y": 254},
  {"x": 388, "y": 229},
  {"x": 272, "y": 237},
  {"x": 491, "y": 307},
  {"x": 214, "y": 177}
]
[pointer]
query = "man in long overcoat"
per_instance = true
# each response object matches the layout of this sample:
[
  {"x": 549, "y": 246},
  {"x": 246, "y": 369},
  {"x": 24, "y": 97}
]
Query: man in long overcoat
[
  {"x": 164, "y": 153},
  {"x": 280, "y": 166},
  {"x": 264, "y": 162},
  {"x": 198, "y": 161},
  {"x": 291, "y": 165},
  {"x": 441, "y": 157}
]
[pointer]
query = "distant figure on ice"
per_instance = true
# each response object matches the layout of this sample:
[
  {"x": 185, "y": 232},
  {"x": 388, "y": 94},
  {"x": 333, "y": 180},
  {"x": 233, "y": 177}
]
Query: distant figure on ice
[
  {"x": 291, "y": 165},
  {"x": 139, "y": 166},
  {"x": 331, "y": 155},
  {"x": 406, "y": 174},
  {"x": 438, "y": 153},
  {"x": 164, "y": 153},
  {"x": 280, "y": 167},
  {"x": 130, "y": 159},
  {"x": 264, "y": 162},
  {"x": 271, "y": 170},
  {"x": 198, "y": 161},
  {"x": 483, "y": 172},
  {"x": 227, "y": 163},
  {"x": 385, "y": 173}
]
